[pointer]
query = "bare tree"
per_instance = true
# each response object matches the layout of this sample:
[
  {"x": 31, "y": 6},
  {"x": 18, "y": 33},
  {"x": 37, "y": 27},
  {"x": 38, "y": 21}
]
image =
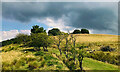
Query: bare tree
[
  {"x": 58, "y": 39},
  {"x": 81, "y": 53},
  {"x": 80, "y": 59},
  {"x": 73, "y": 38},
  {"x": 66, "y": 48}
]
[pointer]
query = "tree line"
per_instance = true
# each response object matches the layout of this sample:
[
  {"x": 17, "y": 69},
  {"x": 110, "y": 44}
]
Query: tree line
[
  {"x": 56, "y": 31},
  {"x": 35, "y": 30}
]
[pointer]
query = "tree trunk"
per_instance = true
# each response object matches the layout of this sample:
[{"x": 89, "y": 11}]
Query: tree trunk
[
  {"x": 59, "y": 49},
  {"x": 80, "y": 62},
  {"x": 66, "y": 49},
  {"x": 66, "y": 54},
  {"x": 44, "y": 48},
  {"x": 81, "y": 65},
  {"x": 74, "y": 51}
]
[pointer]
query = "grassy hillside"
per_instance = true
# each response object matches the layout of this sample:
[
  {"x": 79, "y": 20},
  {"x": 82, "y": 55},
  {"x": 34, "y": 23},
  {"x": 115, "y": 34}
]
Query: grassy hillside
[
  {"x": 96, "y": 38},
  {"x": 16, "y": 59},
  {"x": 90, "y": 64},
  {"x": 19, "y": 57},
  {"x": 95, "y": 41}
]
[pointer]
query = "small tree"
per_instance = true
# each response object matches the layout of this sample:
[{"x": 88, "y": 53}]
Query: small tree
[
  {"x": 70, "y": 53},
  {"x": 58, "y": 39},
  {"x": 40, "y": 40},
  {"x": 84, "y": 31},
  {"x": 76, "y": 32},
  {"x": 81, "y": 54},
  {"x": 36, "y": 29},
  {"x": 54, "y": 32}
]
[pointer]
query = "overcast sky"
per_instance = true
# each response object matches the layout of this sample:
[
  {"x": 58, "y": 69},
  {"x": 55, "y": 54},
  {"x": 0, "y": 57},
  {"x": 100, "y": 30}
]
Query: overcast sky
[{"x": 98, "y": 17}]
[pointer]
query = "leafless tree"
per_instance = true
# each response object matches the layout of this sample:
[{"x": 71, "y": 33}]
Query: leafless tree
[{"x": 58, "y": 39}]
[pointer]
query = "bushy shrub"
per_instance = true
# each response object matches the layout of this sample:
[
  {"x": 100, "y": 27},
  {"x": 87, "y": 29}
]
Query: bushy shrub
[
  {"x": 7, "y": 42},
  {"x": 76, "y": 31},
  {"x": 104, "y": 57},
  {"x": 54, "y": 32},
  {"x": 40, "y": 40},
  {"x": 107, "y": 48},
  {"x": 84, "y": 31}
]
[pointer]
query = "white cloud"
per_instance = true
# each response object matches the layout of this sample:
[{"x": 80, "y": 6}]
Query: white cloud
[
  {"x": 4, "y": 35},
  {"x": 25, "y": 32},
  {"x": 51, "y": 23},
  {"x": 8, "y": 34}
]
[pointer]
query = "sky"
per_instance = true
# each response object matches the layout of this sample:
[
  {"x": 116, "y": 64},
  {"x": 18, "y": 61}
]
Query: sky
[{"x": 97, "y": 17}]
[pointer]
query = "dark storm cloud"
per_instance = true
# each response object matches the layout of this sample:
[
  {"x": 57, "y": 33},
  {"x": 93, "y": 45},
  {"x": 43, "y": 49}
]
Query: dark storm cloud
[
  {"x": 96, "y": 16},
  {"x": 24, "y": 12}
]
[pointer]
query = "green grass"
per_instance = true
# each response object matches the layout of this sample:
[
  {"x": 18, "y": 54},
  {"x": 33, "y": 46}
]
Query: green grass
[
  {"x": 48, "y": 61},
  {"x": 51, "y": 62},
  {"x": 91, "y": 64},
  {"x": 14, "y": 56}
]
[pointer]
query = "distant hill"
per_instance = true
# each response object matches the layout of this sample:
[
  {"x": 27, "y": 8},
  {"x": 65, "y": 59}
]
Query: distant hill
[{"x": 96, "y": 38}]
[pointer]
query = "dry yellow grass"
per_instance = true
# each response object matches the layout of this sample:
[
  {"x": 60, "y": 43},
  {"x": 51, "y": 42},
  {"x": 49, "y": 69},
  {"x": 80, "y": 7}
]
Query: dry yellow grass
[
  {"x": 89, "y": 38},
  {"x": 10, "y": 56},
  {"x": 96, "y": 38}
]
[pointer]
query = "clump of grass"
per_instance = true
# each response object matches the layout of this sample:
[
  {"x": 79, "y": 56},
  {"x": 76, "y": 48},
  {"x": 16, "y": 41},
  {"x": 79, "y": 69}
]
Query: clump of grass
[
  {"x": 43, "y": 63},
  {"x": 50, "y": 63},
  {"x": 33, "y": 65},
  {"x": 9, "y": 49},
  {"x": 14, "y": 62},
  {"x": 59, "y": 66},
  {"x": 5, "y": 66},
  {"x": 28, "y": 58},
  {"x": 40, "y": 53},
  {"x": 49, "y": 57},
  {"x": 10, "y": 56},
  {"x": 20, "y": 63}
]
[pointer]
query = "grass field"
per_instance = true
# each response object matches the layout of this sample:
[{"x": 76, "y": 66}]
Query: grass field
[
  {"x": 18, "y": 59},
  {"x": 96, "y": 38},
  {"x": 90, "y": 64}
]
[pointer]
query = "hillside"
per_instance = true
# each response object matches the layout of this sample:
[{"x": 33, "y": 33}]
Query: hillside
[
  {"x": 96, "y": 38},
  {"x": 20, "y": 57}
]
